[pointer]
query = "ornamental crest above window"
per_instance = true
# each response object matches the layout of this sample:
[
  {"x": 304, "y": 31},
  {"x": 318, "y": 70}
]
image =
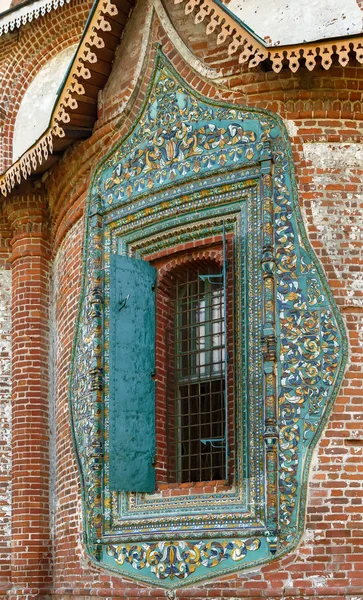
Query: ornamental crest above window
[{"x": 209, "y": 349}]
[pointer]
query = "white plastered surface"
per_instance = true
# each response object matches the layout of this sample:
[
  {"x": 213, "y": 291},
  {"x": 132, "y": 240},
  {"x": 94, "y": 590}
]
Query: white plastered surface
[
  {"x": 297, "y": 21},
  {"x": 38, "y": 102}
]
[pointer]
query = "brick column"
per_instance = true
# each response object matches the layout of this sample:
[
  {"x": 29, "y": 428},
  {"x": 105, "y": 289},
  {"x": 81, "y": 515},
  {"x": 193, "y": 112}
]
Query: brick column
[
  {"x": 5, "y": 405},
  {"x": 31, "y": 550}
]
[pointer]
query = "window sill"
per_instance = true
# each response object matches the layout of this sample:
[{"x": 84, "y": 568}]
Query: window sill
[{"x": 190, "y": 489}]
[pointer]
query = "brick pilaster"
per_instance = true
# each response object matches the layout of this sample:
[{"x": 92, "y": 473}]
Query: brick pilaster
[
  {"x": 5, "y": 405},
  {"x": 31, "y": 551}
]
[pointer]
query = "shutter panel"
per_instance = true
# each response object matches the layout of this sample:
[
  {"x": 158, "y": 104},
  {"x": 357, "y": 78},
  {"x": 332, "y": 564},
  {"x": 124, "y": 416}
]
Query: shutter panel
[{"x": 132, "y": 363}]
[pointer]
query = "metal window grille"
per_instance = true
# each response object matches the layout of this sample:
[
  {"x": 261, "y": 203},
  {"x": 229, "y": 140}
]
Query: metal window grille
[{"x": 199, "y": 377}]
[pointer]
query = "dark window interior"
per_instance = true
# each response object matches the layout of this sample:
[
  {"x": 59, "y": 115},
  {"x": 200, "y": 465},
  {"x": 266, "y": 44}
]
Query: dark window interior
[{"x": 198, "y": 424}]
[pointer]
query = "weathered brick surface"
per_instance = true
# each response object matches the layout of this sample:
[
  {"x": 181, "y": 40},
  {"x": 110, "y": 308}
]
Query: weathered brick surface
[
  {"x": 323, "y": 114},
  {"x": 30, "y": 525},
  {"x": 5, "y": 426},
  {"x": 66, "y": 289},
  {"x": 326, "y": 562},
  {"x": 5, "y": 405}
]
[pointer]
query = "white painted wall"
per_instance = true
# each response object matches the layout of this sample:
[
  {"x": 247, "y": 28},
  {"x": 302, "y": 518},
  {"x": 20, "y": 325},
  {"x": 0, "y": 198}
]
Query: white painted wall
[
  {"x": 4, "y": 5},
  {"x": 38, "y": 101},
  {"x": 339, "y": 224},
  {"x": 296, "y": 21}
]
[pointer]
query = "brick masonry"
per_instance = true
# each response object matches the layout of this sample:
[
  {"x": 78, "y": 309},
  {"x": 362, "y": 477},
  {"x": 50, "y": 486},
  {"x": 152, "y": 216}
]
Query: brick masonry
[
  {"x": 5, "y": 425},
  {"x": 30, "y": 524},
  {"x": 323, "y": 115}
]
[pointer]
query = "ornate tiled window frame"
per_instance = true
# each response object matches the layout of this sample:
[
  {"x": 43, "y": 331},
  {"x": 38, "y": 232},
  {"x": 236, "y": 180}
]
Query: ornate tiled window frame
[{"x": 188, "y": 165}]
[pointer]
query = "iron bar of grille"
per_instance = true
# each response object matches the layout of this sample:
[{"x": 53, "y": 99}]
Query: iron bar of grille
[
  {"x": 225, "y": 392},
  {"x": 199, "y": 378}
]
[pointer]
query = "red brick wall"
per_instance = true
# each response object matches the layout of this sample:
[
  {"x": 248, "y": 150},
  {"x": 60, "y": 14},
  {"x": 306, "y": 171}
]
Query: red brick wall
[
  {"x": 68, "y": 554},
  {"x": 323, "y": 113},
  {"x": 30, "y": 525},
  {"x": 5, "y": 405},
  {"x": 322, "y": 109},
  {"x": 5, "y": 426}
]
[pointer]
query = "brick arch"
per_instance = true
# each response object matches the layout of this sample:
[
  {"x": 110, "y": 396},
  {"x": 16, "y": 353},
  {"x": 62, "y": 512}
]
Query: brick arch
[
  {"x": 179, "y": 259},
  {"x": 43, "y": 40}
]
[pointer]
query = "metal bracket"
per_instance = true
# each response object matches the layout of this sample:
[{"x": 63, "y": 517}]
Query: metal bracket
[
  {"x": 212, "y": 276},
  {"x": 214, "y": 442}
]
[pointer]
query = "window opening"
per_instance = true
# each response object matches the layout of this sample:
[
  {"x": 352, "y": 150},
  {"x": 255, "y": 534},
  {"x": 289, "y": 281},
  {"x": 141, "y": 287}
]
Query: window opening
[{"x": 197, "y": 430}]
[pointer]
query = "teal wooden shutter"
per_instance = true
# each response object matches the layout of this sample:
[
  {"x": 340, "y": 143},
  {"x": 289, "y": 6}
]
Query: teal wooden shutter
[{"x": 132, "y": 364}]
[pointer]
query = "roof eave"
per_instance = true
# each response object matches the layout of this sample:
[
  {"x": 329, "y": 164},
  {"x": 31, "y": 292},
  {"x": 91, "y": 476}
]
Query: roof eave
[
  {"x": 253, "y": 50},
  {"x": 75, "y": 109}
]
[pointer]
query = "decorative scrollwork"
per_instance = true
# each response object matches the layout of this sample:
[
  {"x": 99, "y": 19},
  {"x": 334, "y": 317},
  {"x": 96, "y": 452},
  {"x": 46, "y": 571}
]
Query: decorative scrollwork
[
  {"x": 179, "y": 142},
  {"x": 170, "y": 560}
]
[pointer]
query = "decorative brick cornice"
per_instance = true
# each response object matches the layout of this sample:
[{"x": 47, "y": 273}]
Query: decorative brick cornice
[
  {"x": 27, "y": 214},
  {"x": 252, "y": 51}
]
